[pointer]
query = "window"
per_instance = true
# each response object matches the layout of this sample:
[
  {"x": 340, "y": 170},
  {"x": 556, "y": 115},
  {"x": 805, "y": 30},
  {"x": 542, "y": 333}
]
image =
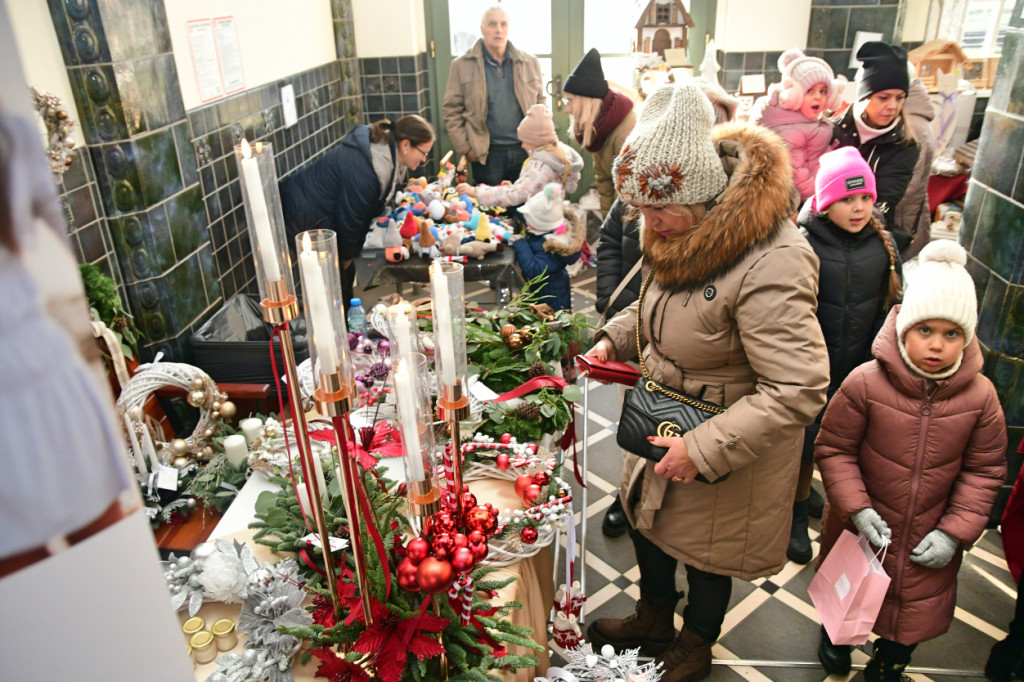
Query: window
[
  {"x": 985, "y": 26},
  {"x": 663, "y": 14}
]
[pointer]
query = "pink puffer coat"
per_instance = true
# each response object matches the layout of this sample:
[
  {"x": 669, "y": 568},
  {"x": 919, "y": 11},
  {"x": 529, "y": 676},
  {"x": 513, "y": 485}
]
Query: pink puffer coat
[{"x": 924, "y": 455}]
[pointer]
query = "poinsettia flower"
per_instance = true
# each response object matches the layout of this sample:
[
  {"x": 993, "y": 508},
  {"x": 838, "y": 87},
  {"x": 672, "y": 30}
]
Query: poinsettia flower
[
  {"x": 386, "y": 442},
  {"x": 391, "y": 638},
  {"x": 336, "y": 669}
]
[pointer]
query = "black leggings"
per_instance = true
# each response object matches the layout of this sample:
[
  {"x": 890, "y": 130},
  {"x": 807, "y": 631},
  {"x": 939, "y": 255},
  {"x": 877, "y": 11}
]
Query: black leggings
[
  {"x": 892, "y": 652},
  {"x": 709, "y": 592}
]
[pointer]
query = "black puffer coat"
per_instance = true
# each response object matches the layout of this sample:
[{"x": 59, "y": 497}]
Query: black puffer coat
[
  {"x": 892, "y": 160},
  {"x": 853, "y": 281},
  {"x": 617, "y": 253}
]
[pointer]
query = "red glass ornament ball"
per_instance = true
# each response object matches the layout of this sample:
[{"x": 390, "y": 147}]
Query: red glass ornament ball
[
  {"x": 481, "y": 519},
  {"x": 468, "y": 500},
  {"x": 531, "y": 494},
  {"x": 442, "y": 523},
  {"x": 529, "y": 535},
  {"x": 542, "y": 478},
  {"x": 443, "y": 545},
  {"x": 460, "y": 540},
  {"x": 434, "y": 575},
  {"x": 417, "y": 550},
  {"x": 506, "y": 438},
  {"x": 523, "y": 482},
  {"x": 462, "y": 560},
  {"x": 479, "y": 550},
  {"x": 407, "y": 576},
  {"x": 475, "y": 537},
  {"x": 502, "y": 461}
]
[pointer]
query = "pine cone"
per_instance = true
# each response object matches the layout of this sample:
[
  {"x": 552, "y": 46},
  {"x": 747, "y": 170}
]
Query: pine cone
[
  {"x": 538, "y": 369},
  {"x": 119, "y": 323},
  {"x": 528, "y": 411}
]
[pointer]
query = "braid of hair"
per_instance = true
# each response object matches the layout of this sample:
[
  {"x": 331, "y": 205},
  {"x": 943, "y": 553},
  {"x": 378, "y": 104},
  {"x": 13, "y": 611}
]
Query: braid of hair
[{"x": 893, "y": 292}]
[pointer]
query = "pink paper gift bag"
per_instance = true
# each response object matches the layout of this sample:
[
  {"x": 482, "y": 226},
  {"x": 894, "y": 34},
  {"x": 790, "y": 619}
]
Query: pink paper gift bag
[{"x": 848, "y": 590}]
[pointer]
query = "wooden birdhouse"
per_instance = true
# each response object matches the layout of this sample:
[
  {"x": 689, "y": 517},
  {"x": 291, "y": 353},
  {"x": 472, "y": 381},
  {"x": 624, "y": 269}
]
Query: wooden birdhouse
[
  {"x": 935, "y": 56},
  {"x": 662, "y": 25}
]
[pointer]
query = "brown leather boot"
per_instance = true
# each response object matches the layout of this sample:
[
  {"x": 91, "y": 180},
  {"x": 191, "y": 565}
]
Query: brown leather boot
[
  {"x": 650, "y": 628},
  {"x": 687, "y": 660}
]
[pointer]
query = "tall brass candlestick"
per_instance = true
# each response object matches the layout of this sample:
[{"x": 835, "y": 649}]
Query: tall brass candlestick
[
  {"x": 453, "y": 407},
  {"x": 277, "y": 313}
]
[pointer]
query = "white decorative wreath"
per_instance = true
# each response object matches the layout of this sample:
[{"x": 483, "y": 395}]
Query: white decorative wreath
[{"x": 201, "y": 392}]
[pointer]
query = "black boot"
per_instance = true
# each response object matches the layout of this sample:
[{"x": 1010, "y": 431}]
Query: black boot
[
  {"x": 815, "y": 504},
  {"x": 1006, "y": 659},
  {"x": 879, "y": 670},
  {"x": 799, "y": 549},
  {"x": 615, "y": 524},
  {"x": 835, "y": 658}
]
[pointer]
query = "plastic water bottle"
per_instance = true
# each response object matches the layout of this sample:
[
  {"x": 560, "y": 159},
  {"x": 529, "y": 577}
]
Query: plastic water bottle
[{"x": 356, "y": 317}]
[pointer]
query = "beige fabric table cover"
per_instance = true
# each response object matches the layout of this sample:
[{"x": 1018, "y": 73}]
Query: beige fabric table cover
[{"x": 532, "y": 587}]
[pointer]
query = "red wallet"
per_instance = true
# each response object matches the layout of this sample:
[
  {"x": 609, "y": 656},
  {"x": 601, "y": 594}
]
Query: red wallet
[{"x": 611, "y": 371}]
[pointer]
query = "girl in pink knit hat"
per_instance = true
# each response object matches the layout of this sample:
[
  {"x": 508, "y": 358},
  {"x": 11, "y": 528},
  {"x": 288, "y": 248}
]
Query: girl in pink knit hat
[
  {"x": 797, "y": 110},
  {"x": 550, "y": 161}
]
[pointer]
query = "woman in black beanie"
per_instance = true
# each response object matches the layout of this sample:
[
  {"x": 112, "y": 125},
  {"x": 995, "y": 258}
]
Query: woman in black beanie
[
  {"x": 601, "y": 120},
  {"x": 877, "y": 124}
]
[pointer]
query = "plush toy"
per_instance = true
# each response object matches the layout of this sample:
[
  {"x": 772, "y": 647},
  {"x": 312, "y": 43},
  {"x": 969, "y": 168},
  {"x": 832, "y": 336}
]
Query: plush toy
[
  {"x": 478, "y": 249},
  {"x": 394, "y": 250}
]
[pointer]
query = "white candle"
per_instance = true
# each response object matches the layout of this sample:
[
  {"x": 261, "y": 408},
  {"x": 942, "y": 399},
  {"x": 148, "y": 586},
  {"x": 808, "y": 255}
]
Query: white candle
[
  {"x": 444, "y": 342},
  {"x": 318, "y": 471},
  {"x": 314, "y": 289},
  {"x": 407, "y": 396},
  {"x": 260, "y": 216},
  {"x": 251, "y": 427},
  {"x": 303, "y": 495},
  {"x": 140, "y": 461},
  {"x": 236, "y": 450},
  {"x": 403, "y": 333}
]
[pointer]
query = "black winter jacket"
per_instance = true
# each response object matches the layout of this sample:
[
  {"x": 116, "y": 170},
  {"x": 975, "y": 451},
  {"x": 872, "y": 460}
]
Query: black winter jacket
[
  {"x": 853, "y": 278},
  {"x": 891, "y": 159},
  {"x": 617, "y": 253},
  {"x": 339, "y": 191}
]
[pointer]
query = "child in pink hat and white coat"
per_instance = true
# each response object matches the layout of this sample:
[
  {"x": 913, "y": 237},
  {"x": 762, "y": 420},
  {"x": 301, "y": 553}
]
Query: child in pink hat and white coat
[
  {"x": 550, "y": 161},
  {"x": 796, "y": 109}
]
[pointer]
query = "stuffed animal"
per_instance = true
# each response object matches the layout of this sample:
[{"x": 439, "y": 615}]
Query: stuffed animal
[{"x": 394, "y": 250}]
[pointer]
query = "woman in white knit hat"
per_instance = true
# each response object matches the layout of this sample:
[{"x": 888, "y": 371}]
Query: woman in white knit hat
[
  {"x": 912, "y": 451},
  {"x": 726, "y": 313}
]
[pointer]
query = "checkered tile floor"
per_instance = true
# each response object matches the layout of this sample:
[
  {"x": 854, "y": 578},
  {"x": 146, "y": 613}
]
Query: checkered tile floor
[{"x": 771, "y": 627}]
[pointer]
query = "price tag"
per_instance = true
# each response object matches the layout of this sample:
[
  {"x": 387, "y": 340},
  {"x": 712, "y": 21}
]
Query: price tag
[
  {"x": 167, "y": 478},
  {"x": 336, "y": 543}
]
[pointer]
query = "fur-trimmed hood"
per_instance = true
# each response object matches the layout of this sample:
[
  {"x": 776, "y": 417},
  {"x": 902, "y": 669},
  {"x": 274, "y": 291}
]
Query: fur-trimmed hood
[
  {"x": 570, "y": 242},
  {"x": 753, "y": 207}
]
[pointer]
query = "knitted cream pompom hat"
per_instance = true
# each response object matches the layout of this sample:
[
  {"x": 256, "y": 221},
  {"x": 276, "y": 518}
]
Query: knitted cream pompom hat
[
  {"x": 799, "y": 73},
  {"x": 939, "y": 288},
  {"x": 669, "y": 157},
  {"x": 543, "y": 211}
]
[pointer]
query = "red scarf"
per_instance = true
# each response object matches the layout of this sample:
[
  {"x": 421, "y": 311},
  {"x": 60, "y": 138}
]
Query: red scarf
[{"x": 614, "y": 108}]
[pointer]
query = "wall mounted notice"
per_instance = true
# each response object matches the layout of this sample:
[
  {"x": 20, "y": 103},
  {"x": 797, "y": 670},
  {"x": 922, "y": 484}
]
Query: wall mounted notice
[
  {"x": 224, "y": 31},
  {"x": 204, "y": 59}
]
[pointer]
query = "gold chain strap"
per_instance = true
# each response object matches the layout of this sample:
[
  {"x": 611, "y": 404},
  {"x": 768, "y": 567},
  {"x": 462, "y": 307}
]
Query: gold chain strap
[{"x": 652, "y": 385}]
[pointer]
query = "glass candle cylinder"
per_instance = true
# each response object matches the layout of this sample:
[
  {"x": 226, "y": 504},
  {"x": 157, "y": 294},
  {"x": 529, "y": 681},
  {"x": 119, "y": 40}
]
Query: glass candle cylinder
[
  {"x": 415, "y": 424},
  {"x": 447, "y": 292},
  {"x": 266, "y": 222},
  {"x": 320, "y": 274},
  {"x": 403, "y": 332}
]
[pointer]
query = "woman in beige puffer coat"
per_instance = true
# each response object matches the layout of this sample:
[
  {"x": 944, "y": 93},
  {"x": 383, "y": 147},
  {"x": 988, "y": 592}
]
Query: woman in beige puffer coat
[{"x": 728, "y": 314}]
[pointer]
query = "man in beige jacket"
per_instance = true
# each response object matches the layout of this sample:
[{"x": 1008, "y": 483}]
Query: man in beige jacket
[{"x": 489, "y": 90}]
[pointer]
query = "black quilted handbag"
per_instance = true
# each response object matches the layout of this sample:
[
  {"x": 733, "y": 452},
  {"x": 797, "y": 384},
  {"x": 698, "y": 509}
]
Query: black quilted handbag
[{"x": 652, "y": 409}]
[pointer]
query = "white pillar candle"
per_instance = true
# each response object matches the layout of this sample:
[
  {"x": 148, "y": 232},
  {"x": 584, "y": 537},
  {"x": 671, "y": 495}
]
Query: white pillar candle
[
  {"x": 407, "y": 396},
  {"x": 140, "y": 461},
  {"x": 403, "y": 333},
  {"x": 236, "y": 450},
  {"x": 251, "y": 427},
  {"x": 443, "y": 341},
  {"x": 260, "y": 215},
  {"x": 318, "y": 471},
  {"x": 303, "y": 495},
  {"x": 314, "y": 289}
]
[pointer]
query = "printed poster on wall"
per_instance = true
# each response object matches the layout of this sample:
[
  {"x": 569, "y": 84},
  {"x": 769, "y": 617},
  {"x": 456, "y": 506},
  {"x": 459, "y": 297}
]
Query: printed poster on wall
[
  {"x": 204, "y": 59},
  {"x": 230, "y": 56}
]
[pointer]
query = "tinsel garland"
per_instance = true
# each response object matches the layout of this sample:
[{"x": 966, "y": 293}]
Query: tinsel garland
[{"x": 58, "y": 130}]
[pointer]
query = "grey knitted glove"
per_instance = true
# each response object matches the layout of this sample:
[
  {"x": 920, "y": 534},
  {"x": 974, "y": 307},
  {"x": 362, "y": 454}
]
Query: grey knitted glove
[
  {"x": 872, "y": 526},
  {"x": 935, "y": 550}
]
